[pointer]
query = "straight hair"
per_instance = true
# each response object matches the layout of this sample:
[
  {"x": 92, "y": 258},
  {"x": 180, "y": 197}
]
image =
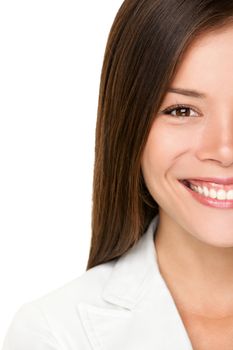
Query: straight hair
[{"x": 145, "y": 47}]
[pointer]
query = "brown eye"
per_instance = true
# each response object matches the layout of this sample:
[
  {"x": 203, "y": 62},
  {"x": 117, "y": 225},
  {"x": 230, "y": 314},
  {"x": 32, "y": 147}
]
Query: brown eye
[{"x": 180, "y": 111}]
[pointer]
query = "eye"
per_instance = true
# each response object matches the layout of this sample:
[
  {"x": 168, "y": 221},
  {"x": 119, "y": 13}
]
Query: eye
[{"x": 184, "y": 111}]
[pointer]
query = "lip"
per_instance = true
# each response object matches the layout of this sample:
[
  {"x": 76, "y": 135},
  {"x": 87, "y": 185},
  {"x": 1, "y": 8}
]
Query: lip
[
  {"x": 210, "y": 202},
  {"x": 217, "y": 180}
]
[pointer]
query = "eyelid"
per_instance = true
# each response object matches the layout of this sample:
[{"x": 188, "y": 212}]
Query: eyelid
[{"x": 180, "y": 105}]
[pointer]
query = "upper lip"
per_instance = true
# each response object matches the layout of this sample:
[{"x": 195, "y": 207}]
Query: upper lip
[{"x": 217, "y": 180}]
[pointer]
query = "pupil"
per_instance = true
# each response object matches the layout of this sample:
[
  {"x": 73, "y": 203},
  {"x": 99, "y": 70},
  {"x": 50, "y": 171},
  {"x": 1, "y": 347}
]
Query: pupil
[{"x": 182, "y": 110}]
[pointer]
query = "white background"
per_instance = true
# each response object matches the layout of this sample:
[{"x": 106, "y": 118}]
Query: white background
[{"x": 51, "y": 54}]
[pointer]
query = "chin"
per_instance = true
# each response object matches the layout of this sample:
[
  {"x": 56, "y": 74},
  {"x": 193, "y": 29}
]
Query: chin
[{"x": 217, "y": 242}]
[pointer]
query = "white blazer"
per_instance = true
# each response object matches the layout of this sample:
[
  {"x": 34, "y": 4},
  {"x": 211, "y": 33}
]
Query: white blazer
[{"x": 119, "y": 305}]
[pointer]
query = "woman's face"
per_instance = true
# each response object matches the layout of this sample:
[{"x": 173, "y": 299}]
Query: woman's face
[{"x": 196, "y": 141}]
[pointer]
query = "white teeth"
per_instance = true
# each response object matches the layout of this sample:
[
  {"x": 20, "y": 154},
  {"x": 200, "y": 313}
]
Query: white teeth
[
  {"x": 221, "y": 194},
  {"x": 212, "y": 193},
  {"x": 230, "y": 194},
  {"x": 200, "y": 190},
  {"x": 206, "y": 191}
]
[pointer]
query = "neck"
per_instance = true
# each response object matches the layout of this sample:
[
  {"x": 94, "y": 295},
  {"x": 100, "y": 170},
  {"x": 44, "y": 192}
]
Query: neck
[{"x": 198, "y": 275}]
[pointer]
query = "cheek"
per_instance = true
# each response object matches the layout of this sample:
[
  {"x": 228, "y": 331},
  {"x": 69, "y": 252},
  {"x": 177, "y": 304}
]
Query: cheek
[
  {"x": 166, "y": 141},
  {"x": 162, "y": 146},
  {"x": 155, "y": 159}
]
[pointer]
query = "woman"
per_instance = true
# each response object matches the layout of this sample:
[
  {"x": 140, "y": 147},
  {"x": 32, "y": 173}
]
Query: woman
[{"x": 160, "y": 269}]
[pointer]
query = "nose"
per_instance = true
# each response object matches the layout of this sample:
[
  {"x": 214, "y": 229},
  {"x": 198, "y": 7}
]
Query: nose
[{"x": 216, "y": 141}]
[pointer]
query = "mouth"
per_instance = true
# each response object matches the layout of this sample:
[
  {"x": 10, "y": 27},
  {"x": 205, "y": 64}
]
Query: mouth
[
  {"x": 209, "y": 193},
  {"x": 216, "y": 185},
  {"x": 186, "y": 183}
]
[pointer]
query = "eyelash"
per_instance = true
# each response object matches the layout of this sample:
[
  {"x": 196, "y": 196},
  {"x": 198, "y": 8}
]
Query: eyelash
[{"x": 176, "y": 107}]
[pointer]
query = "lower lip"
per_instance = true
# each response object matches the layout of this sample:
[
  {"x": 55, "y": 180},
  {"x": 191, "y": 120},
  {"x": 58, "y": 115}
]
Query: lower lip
[{"x": 210, "y": 202}]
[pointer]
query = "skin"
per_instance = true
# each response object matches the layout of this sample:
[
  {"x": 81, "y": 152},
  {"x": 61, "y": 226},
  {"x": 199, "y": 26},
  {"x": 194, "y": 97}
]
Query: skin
[{"x": 194, "y": 242}]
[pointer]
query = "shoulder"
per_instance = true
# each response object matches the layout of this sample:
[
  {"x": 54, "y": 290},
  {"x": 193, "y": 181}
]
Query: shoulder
[
  {"x": 101, "y": 298},
  {"x": 53, "y": 319},
  {"x": 85, "y": 288}
]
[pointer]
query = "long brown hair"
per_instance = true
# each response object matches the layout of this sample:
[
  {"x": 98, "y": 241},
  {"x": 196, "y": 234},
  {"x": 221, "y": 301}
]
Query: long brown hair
[{"x": 145, "y": 46}]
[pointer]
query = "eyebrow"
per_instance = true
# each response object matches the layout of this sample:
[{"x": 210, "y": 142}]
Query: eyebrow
[{"x": 186, "y": 92}]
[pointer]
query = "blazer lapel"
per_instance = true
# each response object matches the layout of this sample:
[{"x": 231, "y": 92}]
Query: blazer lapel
[{"x": 140, "y": 312}]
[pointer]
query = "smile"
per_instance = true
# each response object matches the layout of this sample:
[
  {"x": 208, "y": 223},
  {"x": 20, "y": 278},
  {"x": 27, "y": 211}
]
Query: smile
[
  {"x": 211, "y": 190},
  {"x": 210, "y": 194}
]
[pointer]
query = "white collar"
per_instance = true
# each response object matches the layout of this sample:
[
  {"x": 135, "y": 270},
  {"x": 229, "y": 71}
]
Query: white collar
[
  {"x": 140, "y": 312},
  {"x": 133, "y": 271}
]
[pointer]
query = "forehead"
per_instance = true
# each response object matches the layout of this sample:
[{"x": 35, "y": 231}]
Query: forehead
[{"x": 207, "y": 65}]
